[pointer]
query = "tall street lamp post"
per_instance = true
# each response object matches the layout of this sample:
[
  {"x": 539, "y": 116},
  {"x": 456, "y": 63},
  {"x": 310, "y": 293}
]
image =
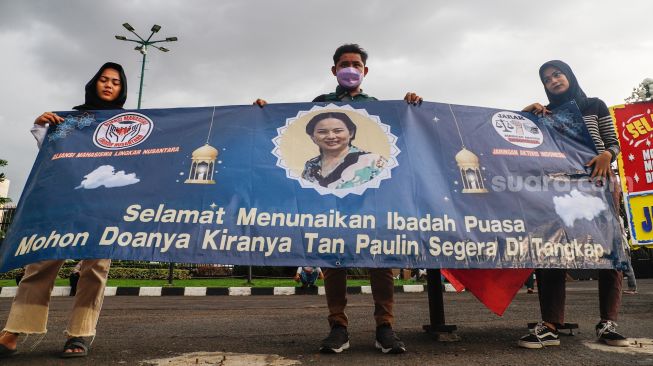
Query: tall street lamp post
[{"x": 143, "y": 44}]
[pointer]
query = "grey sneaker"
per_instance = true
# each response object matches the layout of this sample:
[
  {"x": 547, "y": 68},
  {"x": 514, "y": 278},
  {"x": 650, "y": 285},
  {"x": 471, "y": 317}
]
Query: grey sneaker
[
  {"x": 539, "y": 337},
  {"x": 387, "y": 341},
  {"x": 606, "y": 330},
  {"x": 337, "y": 340}
]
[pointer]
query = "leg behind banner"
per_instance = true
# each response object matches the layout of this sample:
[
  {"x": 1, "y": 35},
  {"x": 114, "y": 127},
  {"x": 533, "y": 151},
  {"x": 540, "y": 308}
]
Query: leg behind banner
[{"x": 438, "y": 327}]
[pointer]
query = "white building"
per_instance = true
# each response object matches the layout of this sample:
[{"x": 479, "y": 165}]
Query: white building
[
  {"x": 4, "y": 192},
  {"x": 4, "y": 188}
]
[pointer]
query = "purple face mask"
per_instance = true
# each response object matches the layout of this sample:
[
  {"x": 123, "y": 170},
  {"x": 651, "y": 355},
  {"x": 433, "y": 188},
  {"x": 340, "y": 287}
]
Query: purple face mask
[{"x": 349, "y": 77}]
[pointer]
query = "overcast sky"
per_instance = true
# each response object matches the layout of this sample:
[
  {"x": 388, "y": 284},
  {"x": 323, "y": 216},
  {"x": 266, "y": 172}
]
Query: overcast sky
[{"x": 482, "y": 53}]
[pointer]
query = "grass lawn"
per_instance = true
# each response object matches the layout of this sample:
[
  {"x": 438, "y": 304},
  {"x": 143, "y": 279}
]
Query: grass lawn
[{"x": 215, "y": 282}]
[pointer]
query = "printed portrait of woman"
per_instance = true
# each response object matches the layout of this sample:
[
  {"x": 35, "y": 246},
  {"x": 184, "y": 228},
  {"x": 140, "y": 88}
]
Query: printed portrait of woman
[{"x": 340, "y": 164}]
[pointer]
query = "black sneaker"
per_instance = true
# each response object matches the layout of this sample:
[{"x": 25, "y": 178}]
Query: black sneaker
[
  {"x": 606, "y": 330},
  {"x": 387, "y": 341},
  {"x": 337, "y": 341},
  {"x": 539, "y": 337}
]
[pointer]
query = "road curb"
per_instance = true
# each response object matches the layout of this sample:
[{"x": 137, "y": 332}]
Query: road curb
[{"x": 222, "y": 291}]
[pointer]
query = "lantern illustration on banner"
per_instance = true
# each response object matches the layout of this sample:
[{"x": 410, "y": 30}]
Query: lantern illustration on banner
[
  {"x": 201, "y": 168},
  {"x": 470, "y": 172},
  {"x": 469, "y": 166},
  {"x": 203, "y": 161}
]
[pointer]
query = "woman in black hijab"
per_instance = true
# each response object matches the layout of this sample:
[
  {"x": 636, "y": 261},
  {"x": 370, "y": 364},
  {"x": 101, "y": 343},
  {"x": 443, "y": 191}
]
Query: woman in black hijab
[
  {"x": 29, "y": 311},
  {"x": 561, "y": 87},
  {"x": 102, "y": 90},
  {"x": 106, "y": 90}
]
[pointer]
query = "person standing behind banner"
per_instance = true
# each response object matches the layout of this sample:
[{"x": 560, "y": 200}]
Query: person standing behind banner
[
  {"x": 74, "y": 278},
  {"x": 530, "y": 283},
  {"x": 561, "y": 87},
  {"x": 29, "y": 310},
  {"x": 349, "y": 69},
  {"x": 308, "y": 275},
  {"x": 19, "y": 275},
  {"x": 630, "y": 274}
]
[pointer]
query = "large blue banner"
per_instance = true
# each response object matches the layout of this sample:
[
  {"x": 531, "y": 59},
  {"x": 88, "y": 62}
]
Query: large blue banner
[{"x": 378, "y": 184}]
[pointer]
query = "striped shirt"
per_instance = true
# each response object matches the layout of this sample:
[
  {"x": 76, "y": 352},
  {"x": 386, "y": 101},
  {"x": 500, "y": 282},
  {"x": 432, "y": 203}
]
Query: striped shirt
[{"x": 598, "y": 120}]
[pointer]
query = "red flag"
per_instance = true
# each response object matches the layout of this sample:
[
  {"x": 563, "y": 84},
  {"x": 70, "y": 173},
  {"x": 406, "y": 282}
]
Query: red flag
[{"x": 495, "y": 288}]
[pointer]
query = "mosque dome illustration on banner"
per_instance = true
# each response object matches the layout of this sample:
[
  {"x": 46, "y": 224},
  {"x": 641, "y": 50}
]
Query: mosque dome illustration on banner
[
  {"x": 466, "y": 158},
  {"x": 205, "y": 152},
  {"x": 203, "y": 159}
]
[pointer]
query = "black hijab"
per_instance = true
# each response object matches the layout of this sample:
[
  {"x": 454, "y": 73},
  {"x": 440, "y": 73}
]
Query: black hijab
[
  {"x": 573, "y": 93},
  {"x": 93, "y": 102}
]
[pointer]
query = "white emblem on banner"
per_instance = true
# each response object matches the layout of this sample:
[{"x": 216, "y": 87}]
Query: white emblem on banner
[
  {"x": 517, "y": 129},
  {"x": 123, "y": 131}
]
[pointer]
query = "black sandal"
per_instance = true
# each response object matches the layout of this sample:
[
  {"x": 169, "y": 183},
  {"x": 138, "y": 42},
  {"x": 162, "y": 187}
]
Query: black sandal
[
  {"x": 6, "y": 352},
  {"x": 73, "y": 344}
]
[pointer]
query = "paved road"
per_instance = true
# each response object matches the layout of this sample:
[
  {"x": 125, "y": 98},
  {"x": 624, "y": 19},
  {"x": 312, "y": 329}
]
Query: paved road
[{"x": 135, "y": 329}]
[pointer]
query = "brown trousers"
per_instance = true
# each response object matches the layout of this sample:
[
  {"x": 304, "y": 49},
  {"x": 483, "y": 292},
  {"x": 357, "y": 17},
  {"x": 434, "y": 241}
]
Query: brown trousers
[
  {"x": 335, "y": 286},
  {"x": 29, "y": 310},
  {"x": 552, "y": 294}
]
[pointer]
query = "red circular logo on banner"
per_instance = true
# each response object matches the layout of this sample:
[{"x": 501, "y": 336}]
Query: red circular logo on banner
[{"x": 123, "y": 131}]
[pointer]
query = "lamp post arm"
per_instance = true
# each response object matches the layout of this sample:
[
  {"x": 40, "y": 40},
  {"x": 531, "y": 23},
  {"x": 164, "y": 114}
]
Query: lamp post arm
[
  {"x": 133, "y": 40},
  {"x": 136, "y": 34},
  {"x": 150, "y": 37}
]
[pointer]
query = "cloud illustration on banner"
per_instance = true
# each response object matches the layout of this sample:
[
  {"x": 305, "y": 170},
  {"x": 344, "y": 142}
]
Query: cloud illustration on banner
[
  {"x": 107, "y": 176},
  {"x": 576, "y": 206}
]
